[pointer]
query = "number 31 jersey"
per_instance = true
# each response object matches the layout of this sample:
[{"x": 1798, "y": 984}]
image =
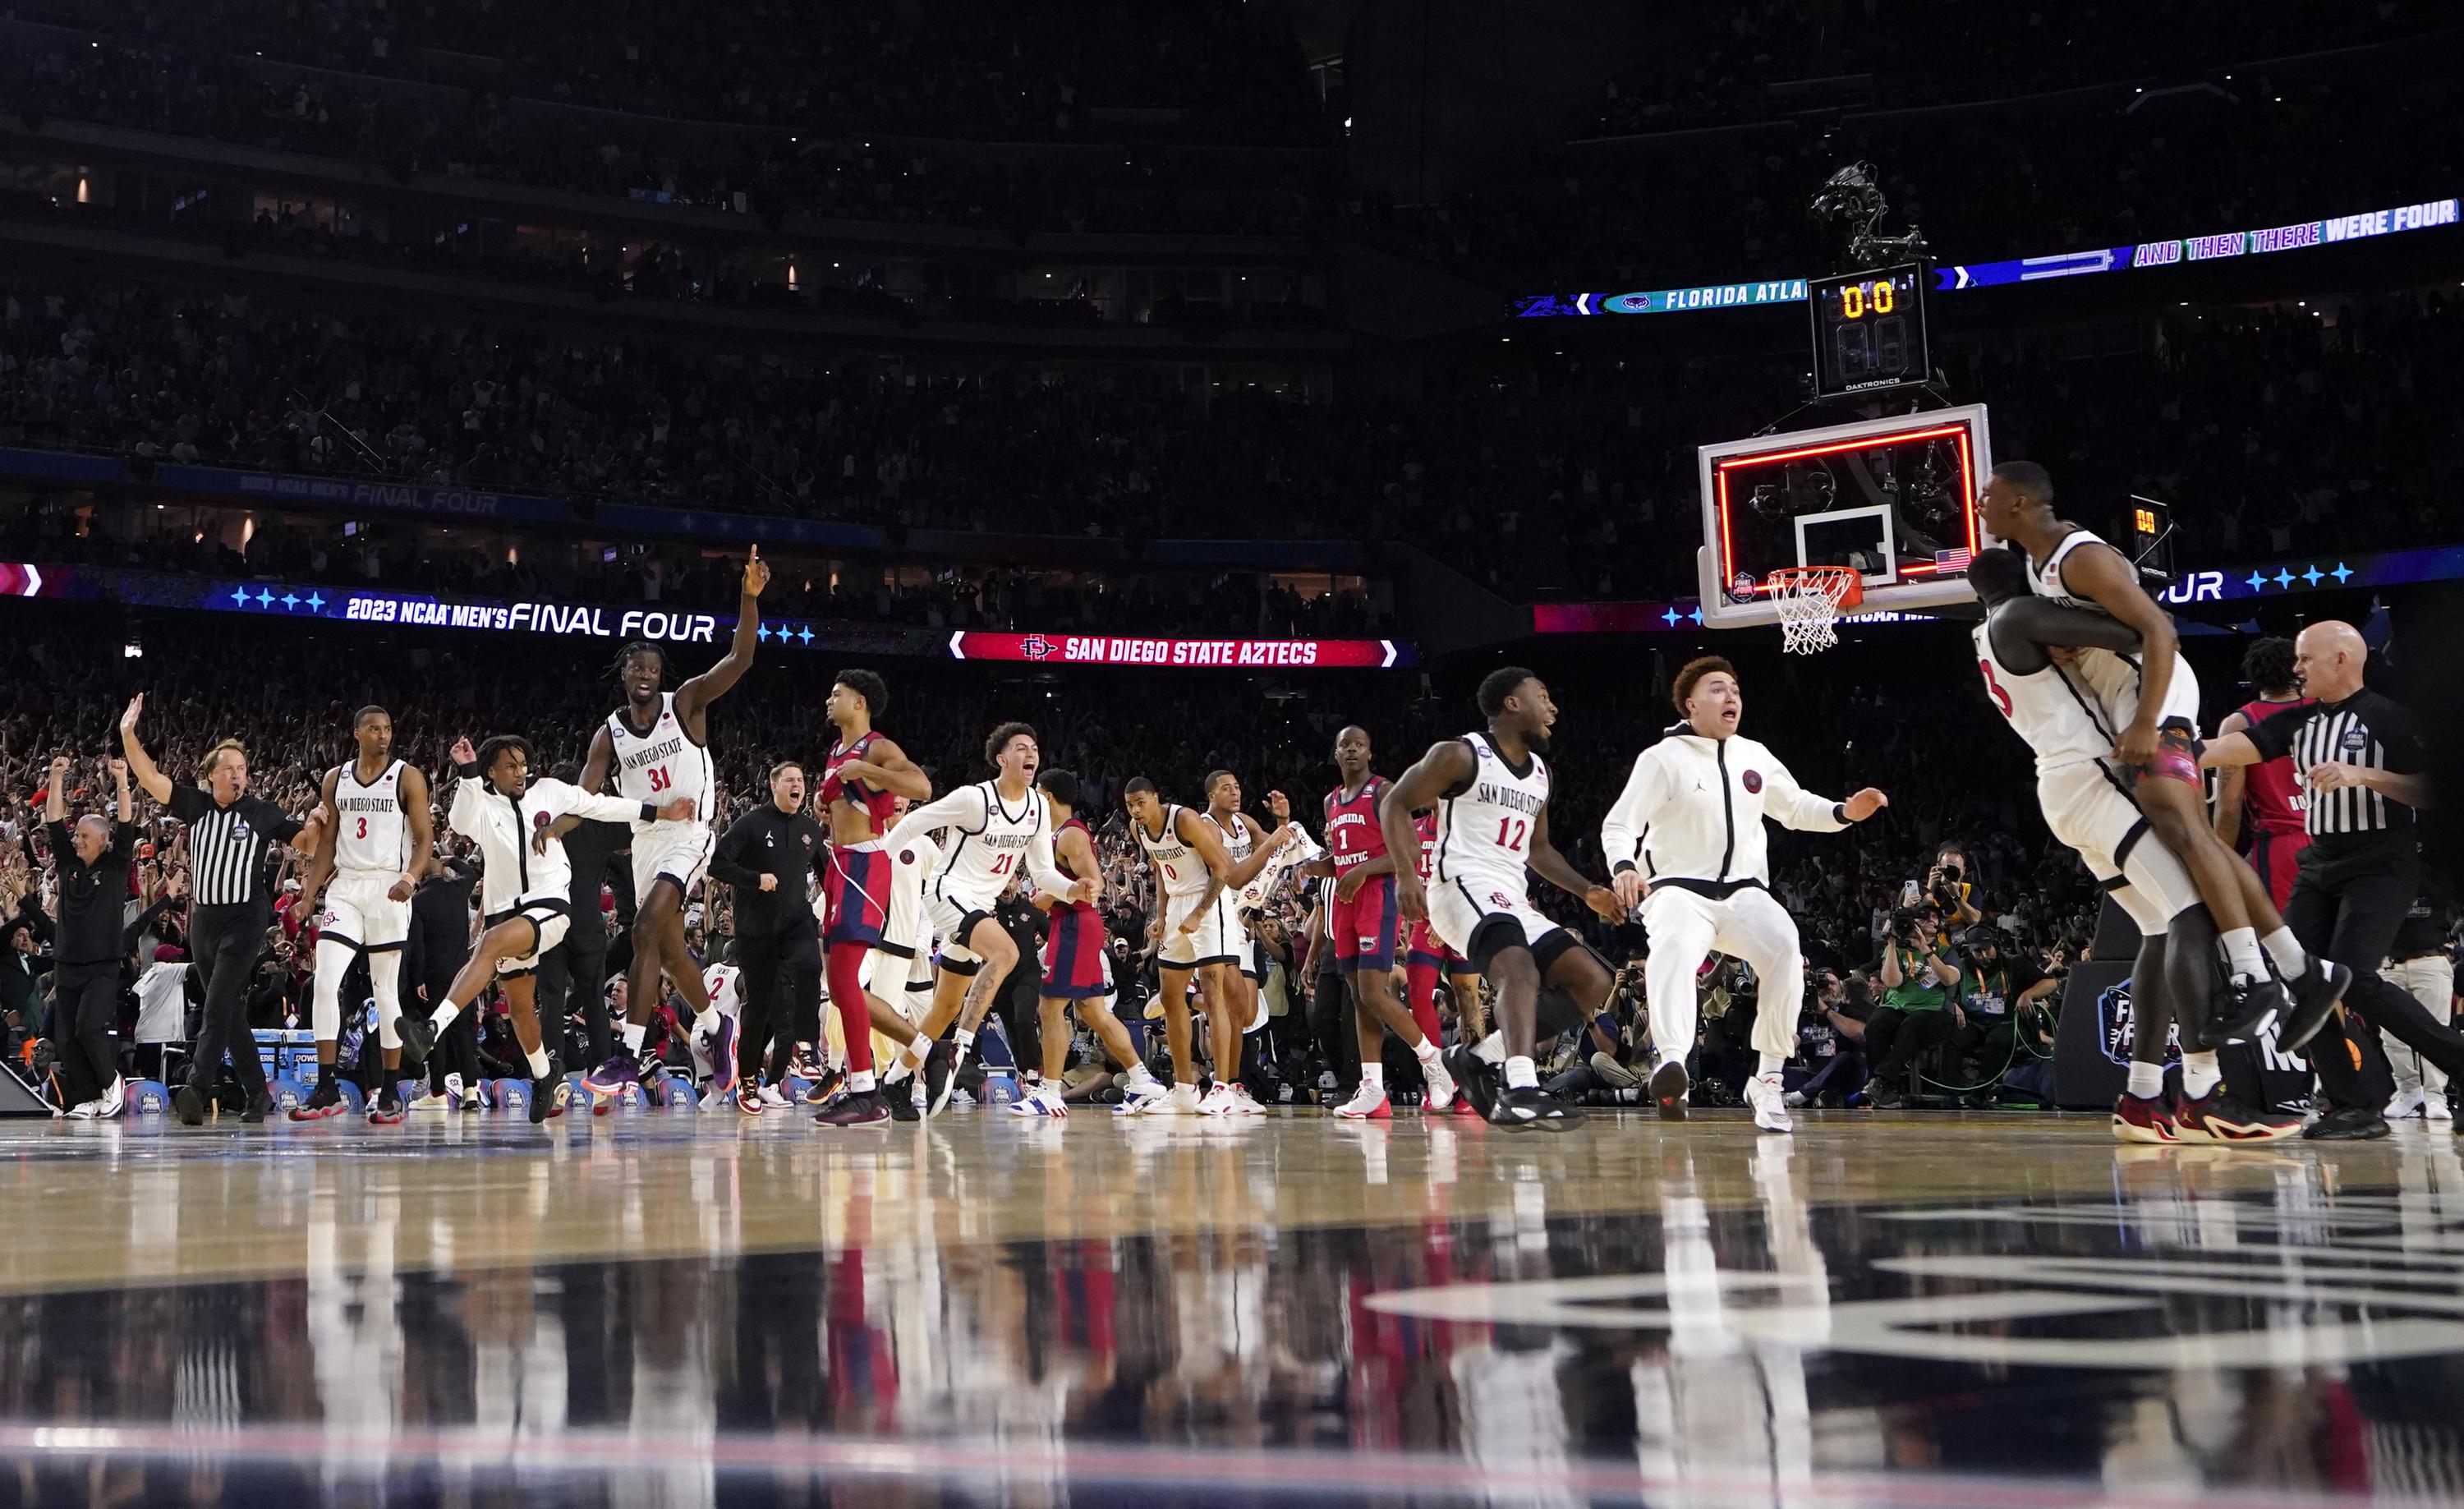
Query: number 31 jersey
[{"x": 661, "y": 764}]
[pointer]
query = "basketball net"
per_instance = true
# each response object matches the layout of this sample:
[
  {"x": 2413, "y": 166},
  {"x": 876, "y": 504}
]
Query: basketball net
[{"x": 1809, "y": 600}]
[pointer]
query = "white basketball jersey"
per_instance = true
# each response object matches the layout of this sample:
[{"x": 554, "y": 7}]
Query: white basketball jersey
[
  {"x": 976, "y": 864},
  {"x": 1238, "y": 844},
  {"x": 1486, "y": 831},
  {"x": 2057, "y": 717},
  {"x": 1178, "y": 868},
  {"x": 2046, "y": 580},
  {"x": 376, "y": 831},
  {"x": 663, "y": 765},
  {"x": 908, "y": 870},
  {"x": 722, "y": 982}
]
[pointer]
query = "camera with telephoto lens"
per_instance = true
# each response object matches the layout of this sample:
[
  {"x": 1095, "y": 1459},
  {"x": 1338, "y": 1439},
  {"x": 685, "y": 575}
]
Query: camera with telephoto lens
[{"x": 1907, "y": 923}]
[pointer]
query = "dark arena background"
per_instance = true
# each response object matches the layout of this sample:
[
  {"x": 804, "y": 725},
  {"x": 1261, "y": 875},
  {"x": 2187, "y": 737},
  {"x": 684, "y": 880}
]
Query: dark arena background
[{"x": 961, "y": 754}]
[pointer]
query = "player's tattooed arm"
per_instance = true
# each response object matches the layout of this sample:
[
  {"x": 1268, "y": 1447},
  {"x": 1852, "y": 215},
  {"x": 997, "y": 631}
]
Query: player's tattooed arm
[{"x": 1447, "y": 766}]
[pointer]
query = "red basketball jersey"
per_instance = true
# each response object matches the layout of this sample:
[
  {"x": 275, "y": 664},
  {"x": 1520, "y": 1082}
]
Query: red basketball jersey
[
  {"x": 1426, "y": 826},
  {"x": 834, "y": 790},
  {"x": 2271, "y": 799},
  {"x": 1353, "y": 836},
  {"x": 1061, "y": 862}
]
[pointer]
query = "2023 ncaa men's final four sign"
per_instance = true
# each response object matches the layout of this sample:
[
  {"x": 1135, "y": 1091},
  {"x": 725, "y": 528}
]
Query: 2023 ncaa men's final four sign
[{"x": 1258, "y": 655}]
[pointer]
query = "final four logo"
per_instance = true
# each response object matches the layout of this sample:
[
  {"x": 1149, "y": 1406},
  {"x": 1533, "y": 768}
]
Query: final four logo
[{"x": 2113, "y": 1021}]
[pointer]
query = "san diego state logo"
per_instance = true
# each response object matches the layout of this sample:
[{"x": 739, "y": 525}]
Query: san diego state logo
[
  {"x": 1035, "y": 647},
  {"x": 1755, "y": 782}
]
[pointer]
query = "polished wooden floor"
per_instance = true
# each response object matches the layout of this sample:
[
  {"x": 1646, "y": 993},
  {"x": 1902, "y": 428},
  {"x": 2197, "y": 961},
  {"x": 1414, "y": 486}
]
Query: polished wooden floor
[{"x": 680, "y": 1309}]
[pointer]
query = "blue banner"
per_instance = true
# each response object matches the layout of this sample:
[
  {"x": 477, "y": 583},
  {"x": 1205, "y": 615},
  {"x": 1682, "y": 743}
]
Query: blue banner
[{"x": 1954, "y": 276}]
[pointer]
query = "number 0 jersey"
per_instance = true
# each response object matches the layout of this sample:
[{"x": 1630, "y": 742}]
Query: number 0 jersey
[
  {"x": 1178, "y": 868},
  {"x": 1484, "y": 829},
  {"x": 661, "y": 764}
]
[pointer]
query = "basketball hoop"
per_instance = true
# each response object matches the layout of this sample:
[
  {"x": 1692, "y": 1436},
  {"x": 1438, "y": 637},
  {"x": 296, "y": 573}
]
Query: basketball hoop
[{"x": 1810, "y": 599}]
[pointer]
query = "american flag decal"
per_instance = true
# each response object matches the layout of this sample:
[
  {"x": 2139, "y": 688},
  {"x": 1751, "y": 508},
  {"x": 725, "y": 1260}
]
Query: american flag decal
[{"x": 1952, "y": 560}]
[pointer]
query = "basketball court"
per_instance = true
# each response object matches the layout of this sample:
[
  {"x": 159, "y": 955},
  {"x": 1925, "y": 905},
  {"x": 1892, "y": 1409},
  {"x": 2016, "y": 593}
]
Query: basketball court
[{"x": 684, "y": 1309}]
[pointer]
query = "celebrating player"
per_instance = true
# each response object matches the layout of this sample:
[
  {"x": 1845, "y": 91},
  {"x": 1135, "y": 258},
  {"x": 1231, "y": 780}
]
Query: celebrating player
[
  {"x": 1075, "y": 969},
  {"x": 994, "y": 829},
  {"x": 865, "y": 775},
  {"x": 525, "y": 891},
  {"x": 1193, "y": 936},
  {"x": 377, "y": 807},
  {"x": 2088, "y": 807},
  {"x": 657, "y": 745},
  {"x": 1362, "y": 921},
  {"x": 2151, "y": 701},
  {"x": 1232, "y": 1013},
  {"x": 1491, "y": 790},
  {"x": 1704, "y": 874}
]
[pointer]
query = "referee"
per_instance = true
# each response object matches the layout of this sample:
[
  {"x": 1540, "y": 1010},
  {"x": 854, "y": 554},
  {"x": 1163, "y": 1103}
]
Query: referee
[
  {"x": 768, "y": 855},
  {"x": 228, "y": 833},
  {"x": 2360, "y": 757}
]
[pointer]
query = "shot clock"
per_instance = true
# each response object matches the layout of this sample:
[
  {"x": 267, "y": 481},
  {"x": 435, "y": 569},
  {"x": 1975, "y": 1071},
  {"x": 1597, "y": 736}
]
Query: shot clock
[{"x": 1869, "y": 331}]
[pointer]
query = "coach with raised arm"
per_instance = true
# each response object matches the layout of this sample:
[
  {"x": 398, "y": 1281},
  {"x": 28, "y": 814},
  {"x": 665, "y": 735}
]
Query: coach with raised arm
[{"x": 2360, "y": 758}]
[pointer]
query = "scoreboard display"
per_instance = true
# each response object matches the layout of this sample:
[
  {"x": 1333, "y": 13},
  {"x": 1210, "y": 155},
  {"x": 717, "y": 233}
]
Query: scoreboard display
[{"x": 1869, "y": 331}]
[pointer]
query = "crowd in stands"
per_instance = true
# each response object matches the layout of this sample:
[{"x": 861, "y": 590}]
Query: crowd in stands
[
  {"x": 1899, "y": 719},
  {"x": 2291, "y": 427}
]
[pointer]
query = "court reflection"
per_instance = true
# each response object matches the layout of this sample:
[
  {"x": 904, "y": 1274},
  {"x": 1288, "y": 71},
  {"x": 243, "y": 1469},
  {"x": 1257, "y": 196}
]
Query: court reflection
[{"x": 1756, "y": 1321}]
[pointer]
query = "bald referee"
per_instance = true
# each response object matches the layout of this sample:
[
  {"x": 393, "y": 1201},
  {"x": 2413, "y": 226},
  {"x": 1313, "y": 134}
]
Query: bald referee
[{"x": 2360, "y": 759}]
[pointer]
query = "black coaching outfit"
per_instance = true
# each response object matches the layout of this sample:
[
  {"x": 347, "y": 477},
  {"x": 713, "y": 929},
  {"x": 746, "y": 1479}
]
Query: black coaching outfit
[
  {"x": 87, "y": 975},
  {"x": 778, "y": 940},
  {"x": 227, "y": 922},
  {"x": 2356, "y": 882}
]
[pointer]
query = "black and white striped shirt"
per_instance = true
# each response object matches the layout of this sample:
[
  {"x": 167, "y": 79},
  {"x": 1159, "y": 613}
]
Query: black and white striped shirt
[
  {"x": 2365, "y": 729},
  {"x": 227, "y": 844}
]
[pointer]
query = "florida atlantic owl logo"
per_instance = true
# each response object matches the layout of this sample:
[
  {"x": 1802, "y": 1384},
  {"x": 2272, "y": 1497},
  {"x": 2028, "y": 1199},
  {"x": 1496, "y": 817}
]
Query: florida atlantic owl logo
[{"x": 1035, "y": 647}]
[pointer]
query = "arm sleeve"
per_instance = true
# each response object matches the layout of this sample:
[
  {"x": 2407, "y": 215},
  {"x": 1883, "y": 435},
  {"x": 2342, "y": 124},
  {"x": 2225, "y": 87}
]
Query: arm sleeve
[
  {"x": 1793, "y": 805},
  {"x": 2272, "y": 736},
  {"x": 963, "y": 809},
  {"x": 726, "y": 861},
  {"x": 1646, "y": 785}
]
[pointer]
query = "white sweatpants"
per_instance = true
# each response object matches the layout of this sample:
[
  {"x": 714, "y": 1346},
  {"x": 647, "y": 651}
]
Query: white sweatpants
[
  {"x": 2431, "y": 980},
  {"x": 1685, "y": 928}
]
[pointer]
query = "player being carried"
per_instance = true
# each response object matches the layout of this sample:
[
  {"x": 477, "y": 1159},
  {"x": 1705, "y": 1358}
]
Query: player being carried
[
  {"x": 377, "y": 807},
  {"x": 1194, "y": 935},
  {"x": 1361, "y": 921},
  {"x": 992, "y": 830},
  {"x": 2087, "y": 805},
  {"x": 1490, "y": 788},
  {"x": 2150, "y": 702},
  {"x": 525, "y": 891},
  {"x": 862, "y": 781},
  {"x": 657, "y": 747},
  {"x": 1699, "y": 867}
]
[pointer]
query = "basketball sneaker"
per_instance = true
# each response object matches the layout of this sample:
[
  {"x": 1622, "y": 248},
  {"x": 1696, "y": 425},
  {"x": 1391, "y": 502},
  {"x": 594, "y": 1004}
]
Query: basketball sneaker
[
  {"x": 2216, "y": 1116},
  {"x": 548, "y": 1093},
  {"x": 1182, "y": 1099},
  {"x": 718, "y": 1046},
  {"x": 748, "y": 1098},
  {"x": 1668, "y": 1086},
  {"x": 1244, "y": 1103},
  {"x": 1475, "y": 1080},
  {"x": 905, "y": 1098},
  {"x": 1770, "y": 1103},
  {"x": 1139, "y": 1091},
  {"x": 418, "y": 1036},
  {"x": 863, "y": 1108},
  {"x": 2314, "y": 1000},
  {"x": 115, "y": 1099},
  {"x": 86, "y": 1110},
  {"x": 940, "y": 1074},
  {"x": 610, "y": 1079},
  {"x": 1218, "y": 1101},
  {"x": 1529, "y": 1105},
  {"x": 2145, "y": 1119},
  {"x": 325, "y": 1102},
  {"x": 387, "y": 1107},
  {"x": 1442, "y": 1085},
  {"x": 1368, "y": 1103},
  {"x": 1039, "y": 1101},
  {"x": 774, "y": 1099}
]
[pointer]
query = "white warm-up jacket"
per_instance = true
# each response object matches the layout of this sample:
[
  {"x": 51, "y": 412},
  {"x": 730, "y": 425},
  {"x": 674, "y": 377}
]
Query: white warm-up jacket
[
  {"x": 501, "y": 826},
  {"x": 1691, "y": 813}
]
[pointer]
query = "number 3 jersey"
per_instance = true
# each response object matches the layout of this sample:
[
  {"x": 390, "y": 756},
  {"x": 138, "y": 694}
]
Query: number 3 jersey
[
  {"x": 661, "y": 764},
  {"x": 375, "y": 829}
]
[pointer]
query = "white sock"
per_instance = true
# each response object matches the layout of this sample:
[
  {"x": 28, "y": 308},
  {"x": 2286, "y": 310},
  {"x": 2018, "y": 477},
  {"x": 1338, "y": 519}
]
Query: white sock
[
  {"x": 536, "y": 1057},
  {"x": 1373, "y": 1076},
  {"x": 1136, "y": 1073},
  {"x": 706, "y": 1020},
  {"x": 2241, "y": 953},
  {"x": 860, "y": 1082},
  {"x": 1773, "y": 1064},
  {"x": 1427, "y": 1052},
  {"x": 634, "y": 1033},
  {"x": 2146, "y": 1080},
  {"x": 2200, "y": 1073},
  {"x": 443, "y": 1016},
  {"x": 2291, "y": 959},
  {"x": 1522, "y": 1073},
  {"x": 965, "y": 1040},
  {"x": 1492, "y": 1049}
]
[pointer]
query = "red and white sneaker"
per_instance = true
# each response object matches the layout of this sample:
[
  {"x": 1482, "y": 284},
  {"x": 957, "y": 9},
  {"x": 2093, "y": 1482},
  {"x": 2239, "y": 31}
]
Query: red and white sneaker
[
  {"x": 1368, "y": 1103},
  {"x": 2145, "y": 1119},
  {"x": 2216, "y": 1116}
]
